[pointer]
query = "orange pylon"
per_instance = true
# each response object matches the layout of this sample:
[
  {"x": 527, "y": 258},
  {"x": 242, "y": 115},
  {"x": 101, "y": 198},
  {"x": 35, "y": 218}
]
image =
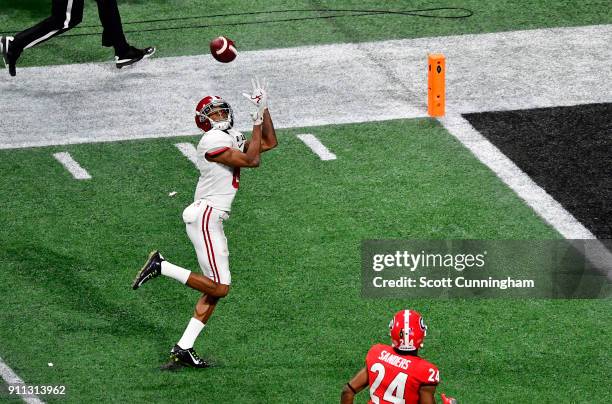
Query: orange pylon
[{"x": 436, "y": 84}]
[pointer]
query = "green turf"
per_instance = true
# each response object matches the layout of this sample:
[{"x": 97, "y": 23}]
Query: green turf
[
  {"x": 489, "y": 16},
  {"x": 294, "y": 327}
]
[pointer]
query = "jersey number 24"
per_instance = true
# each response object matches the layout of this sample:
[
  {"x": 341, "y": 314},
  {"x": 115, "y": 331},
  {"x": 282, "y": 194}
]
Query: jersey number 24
[{"x": 395, "y": 391}]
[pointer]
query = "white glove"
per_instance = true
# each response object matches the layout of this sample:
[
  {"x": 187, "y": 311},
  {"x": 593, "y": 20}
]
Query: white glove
[{"x": 259, "y": 98}]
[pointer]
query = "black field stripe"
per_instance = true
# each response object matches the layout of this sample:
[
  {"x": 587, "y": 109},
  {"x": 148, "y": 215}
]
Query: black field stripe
[{"x": 565, "y": 150}]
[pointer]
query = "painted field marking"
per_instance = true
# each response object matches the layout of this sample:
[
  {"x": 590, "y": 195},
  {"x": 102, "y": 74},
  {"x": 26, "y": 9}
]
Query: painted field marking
[
  {"x": 317, "y": 147},
  {"x": 378, "y": 81},
  {"x": 188, "y": 151},
  {"x": 10, "y": 377},
  {"x": 72, "y": 166},
  {"x": 535, "y": 196}
]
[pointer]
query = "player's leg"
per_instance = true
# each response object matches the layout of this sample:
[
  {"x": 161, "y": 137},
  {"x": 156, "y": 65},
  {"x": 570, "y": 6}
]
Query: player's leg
[
  {"x": 204, "y": 308},
  {"x": 207, "y": 286},
  {"x": 201, "y": 230},
  {"x": 204, "y": 226},
  {"x": 219, "y": 252},
  {"x": 208, "y": 246},
  {"x": 156, "y": 265},
  {"x": 65, "y": 14},
  {"x": 211, "y": 248},
  {"x": 183, "y": 353}
]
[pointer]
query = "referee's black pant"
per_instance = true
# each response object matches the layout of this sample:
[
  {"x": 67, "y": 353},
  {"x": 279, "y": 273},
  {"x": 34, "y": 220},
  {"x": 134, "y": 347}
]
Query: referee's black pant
[{"x": 66, "y": 14}]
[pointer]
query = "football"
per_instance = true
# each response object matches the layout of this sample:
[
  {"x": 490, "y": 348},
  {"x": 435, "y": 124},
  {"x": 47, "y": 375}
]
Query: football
[{"x": 223, "y": 49}]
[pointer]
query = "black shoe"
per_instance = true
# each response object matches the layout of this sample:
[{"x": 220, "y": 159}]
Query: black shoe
[
  {"x": 187, "y": 357},
  {"x": 8, "y": 55},
  {"x": 133, "y": 55},
  {"x": 151, "y": 269}
]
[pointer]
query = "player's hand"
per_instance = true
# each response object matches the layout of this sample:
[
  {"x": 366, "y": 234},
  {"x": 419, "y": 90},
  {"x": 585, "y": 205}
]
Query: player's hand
[
  {"x": 448, "y": 400},
  {"x": 259, "y": 98},
  {"x": 259, "y": 95}
]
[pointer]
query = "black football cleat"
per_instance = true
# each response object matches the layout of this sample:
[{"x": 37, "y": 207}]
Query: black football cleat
[
  {"x": 8, "y": 55},
  {"x": 132, "y": 56},
  {"x": 187, "y": 357},
  {"x": 151, "y": 269}
]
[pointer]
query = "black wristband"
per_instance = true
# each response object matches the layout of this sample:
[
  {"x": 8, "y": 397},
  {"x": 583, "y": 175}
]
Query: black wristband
[{"x": 351, "y": 387}]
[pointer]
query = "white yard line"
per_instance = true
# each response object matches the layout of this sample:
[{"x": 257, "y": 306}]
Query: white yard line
[
  {"x": 188, "y": 151},
  {"x": 536, "y": 197},
  {"x": 72, "y": 166},
  {"x": 317, "y": 147},
  {"x": 309, "y": 85},
  {"x": 10, "y": 377}
]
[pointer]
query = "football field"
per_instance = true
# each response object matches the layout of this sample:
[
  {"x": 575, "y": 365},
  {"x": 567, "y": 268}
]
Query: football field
[{"x": 295, "y": 327}]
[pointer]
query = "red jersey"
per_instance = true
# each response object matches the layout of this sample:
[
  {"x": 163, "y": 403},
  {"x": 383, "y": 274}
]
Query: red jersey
[{"x": 395, "y": 378}]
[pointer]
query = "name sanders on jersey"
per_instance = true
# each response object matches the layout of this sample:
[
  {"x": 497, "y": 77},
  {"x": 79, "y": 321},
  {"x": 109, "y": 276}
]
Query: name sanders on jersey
[
  {"x": 394, "y": 360},
  {"x": 459, "y": 282}
]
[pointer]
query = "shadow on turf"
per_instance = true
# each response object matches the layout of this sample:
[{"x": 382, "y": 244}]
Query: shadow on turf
[
  {"x": 75, "y": 285},
  {"x": 171, "y": 366}
]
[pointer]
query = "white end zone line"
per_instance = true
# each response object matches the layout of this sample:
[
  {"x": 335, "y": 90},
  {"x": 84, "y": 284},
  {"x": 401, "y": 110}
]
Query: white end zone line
[
  {"x": 72, "y": 166},
  {"x": 188, "y": 151},
  {"x": 317, "y": 147},
  {"x": 11, "y": 377},
  {"x": 536, "y": 197}
]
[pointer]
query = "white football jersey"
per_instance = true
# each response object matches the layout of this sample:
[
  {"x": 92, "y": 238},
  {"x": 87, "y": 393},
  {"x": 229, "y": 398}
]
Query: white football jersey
[{"x": 218, "y": 182}]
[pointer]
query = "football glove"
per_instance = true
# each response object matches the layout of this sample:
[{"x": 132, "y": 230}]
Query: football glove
[
  {"x": 259, "y": 98},
  {"x": 447, "y": 400}
]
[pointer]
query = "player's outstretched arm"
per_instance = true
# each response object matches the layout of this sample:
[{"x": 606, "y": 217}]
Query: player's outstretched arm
[
  {"x": 259, "y": 98},
  {"x": 357, "y": 383},
  {"x": 268, "y": 137},
  {"x": 236, "y": 158}
]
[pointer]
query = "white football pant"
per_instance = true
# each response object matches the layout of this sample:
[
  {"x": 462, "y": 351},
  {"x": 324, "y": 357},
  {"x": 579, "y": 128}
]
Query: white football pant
[{"x": 205, "y": 230}]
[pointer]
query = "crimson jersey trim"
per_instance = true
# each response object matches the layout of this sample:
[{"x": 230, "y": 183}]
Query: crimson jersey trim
[{"x": 215, "y": 153}]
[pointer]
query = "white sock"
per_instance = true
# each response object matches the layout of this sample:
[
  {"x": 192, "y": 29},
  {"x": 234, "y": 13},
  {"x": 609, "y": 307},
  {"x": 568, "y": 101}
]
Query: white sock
[
  {"x": 174, "y": 271},
  {"x": 192, "y": 331}
]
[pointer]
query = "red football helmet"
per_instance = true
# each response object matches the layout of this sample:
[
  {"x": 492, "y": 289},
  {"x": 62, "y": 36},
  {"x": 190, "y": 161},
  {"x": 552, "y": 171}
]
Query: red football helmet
[
  {"x": 407, "y": 330},
  {"x": 206, "y": 107}
]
